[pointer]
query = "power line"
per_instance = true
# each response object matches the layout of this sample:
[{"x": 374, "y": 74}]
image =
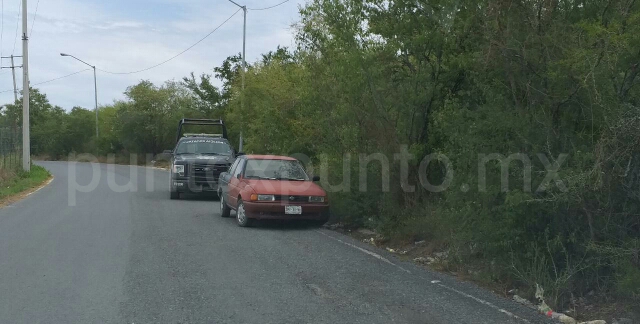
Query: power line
[
  {"x": 132, "y": 72},
  {"x": 17, "y": 24},
  {"x": 62, "y": 77},
  {"x": 33, "y": 22},
  {"x": 43, "y": 82},
  {"x": 188, "y": 48},
  {"x": 267, "y": 8}
]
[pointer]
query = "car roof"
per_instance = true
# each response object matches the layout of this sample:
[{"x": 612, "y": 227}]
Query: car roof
[{"x": 269, "y": 157}]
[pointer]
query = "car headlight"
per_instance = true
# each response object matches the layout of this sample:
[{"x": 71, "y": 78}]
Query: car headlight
[
  {"x": 179, "y": 169},
  {"x": 316, "y": 199},
  {"x": 255, "y": 197}
]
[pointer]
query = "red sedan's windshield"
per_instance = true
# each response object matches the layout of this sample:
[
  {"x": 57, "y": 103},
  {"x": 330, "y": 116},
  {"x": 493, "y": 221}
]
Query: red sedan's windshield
[{"x": 275, "y": 170}]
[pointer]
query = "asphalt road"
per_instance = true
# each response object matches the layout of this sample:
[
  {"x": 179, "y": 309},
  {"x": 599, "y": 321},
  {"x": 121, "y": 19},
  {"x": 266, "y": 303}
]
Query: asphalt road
[{"x": 118, "y": 256}]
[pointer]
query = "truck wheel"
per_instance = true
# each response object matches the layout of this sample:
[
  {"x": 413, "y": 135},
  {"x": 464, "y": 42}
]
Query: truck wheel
[
  {"x": 241, "y": 216},
  {"x": 225, "y": 211}
]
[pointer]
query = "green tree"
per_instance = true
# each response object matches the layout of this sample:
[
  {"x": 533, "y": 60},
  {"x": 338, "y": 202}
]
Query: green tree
[{"x": 148, "y": 118}]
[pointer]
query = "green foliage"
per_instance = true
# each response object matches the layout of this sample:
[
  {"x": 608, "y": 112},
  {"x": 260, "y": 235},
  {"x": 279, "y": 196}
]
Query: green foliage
[
  {"x": 22, "y": 181},
  {"x": 461, "y": 80},
  {"x": 458, "y": 79},
  {"x": 47, "y": 122},
  {"x": 628, "y": 281}
]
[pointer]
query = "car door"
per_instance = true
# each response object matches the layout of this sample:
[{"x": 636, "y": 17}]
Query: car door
[
  {"x": 235, "y": 183},
  {"x": 225, "y": 177}
]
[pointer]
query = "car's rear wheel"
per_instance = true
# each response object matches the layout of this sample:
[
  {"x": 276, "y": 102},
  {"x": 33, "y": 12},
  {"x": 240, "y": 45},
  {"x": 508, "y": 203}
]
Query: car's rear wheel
[
  {"x": 241, "y": 215},
  {"x": 225, "y": 211}
]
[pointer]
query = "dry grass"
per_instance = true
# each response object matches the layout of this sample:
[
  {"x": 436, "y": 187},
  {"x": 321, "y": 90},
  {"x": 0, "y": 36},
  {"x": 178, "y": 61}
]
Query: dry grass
[
  {"x": 484, "y": 274},
  {"x": 126, "y": 160}
]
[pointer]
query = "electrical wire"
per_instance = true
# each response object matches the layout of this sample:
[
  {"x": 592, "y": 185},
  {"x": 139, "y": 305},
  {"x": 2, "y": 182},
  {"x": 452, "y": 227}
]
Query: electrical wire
[
  {"x": 132, "y": 72},
  {"x": 17, "y": 24},
  {"x": 55, "y": 79},
  {"x": 267, "y": 8},
  {"x": 62, "y": 77},
  {"x": 33, "y": 21},
  {"x": 188, "y": 48}
]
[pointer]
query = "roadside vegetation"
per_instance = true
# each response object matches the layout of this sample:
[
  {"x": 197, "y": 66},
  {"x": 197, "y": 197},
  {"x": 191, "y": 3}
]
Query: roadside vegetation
[
  {"x": 15, "y": 181},
  {"x": 451, "y": 78}
]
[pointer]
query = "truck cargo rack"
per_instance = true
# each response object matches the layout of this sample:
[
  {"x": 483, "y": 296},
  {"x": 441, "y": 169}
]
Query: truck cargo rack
[{"x": 201, "y": 122}]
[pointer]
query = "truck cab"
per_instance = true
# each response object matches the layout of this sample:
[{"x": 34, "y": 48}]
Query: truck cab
[{"x": 199, "y": 158}]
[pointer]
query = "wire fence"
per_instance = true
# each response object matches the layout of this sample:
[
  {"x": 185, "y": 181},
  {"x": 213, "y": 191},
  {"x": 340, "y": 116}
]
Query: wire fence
[{"x": 10, "y": 148}]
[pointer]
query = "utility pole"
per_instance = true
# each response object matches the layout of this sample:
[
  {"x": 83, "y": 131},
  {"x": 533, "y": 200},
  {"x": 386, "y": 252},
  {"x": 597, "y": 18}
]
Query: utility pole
[
  {"x": 95, "y": 92},
  {"x": 95, "y": 86},
  {"x": 13, "y": 71},
  {"x": 15, "y": 88},
  {"x": 26, "y": 143},
  {"x": 244, "y": 63},
  {"x": 244, "y": 47}
]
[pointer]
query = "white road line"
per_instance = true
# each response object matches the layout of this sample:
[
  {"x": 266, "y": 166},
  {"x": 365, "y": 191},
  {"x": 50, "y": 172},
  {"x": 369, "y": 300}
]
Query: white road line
[
  {"x": 435, "y": 282},
  {"x": 375, "y": 255},
  {"x": 42, "y": 186},
  {"x": 481, "y": 301}
]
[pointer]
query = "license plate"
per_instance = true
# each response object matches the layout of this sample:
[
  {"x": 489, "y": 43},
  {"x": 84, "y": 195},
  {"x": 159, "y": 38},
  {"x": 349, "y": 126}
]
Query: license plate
[{"x": 293, "y": 210}]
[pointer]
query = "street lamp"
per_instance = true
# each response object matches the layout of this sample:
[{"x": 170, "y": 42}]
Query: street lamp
[
  {"x": 244, "y": 65},
  {"x": 95, "y": 85}
]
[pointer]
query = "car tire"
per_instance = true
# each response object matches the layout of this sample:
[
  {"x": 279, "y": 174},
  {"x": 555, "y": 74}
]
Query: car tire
[
  {"x": 225, "y": 211},
  {"x": 241, "y": 216}
]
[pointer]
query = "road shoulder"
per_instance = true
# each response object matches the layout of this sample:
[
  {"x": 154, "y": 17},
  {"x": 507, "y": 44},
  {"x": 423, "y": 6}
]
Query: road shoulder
[{"x": 20, "y": 185}]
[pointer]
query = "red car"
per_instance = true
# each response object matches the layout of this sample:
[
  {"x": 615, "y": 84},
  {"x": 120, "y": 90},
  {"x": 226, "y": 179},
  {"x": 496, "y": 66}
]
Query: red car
[{"x": 271, "y": 187}]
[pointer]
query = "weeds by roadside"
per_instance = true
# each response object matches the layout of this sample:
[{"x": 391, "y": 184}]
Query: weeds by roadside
[
  {"x": 508, "y": 281},
  {"x": 14, "y": 182}
]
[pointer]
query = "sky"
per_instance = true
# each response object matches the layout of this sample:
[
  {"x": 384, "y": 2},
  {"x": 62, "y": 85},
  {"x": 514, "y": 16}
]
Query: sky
[{"x": 130, "y": 35}]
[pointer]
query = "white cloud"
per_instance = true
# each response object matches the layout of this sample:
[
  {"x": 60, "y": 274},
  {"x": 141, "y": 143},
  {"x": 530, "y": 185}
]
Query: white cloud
[
  {"x": 119, "y": 36},
  {"x": 120, "y": 24}
]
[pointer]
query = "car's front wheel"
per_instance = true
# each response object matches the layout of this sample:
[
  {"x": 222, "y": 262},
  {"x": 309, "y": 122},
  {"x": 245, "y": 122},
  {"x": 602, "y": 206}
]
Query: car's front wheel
[
  {"x": 241, "y": 215},
  {"x": 225, "y": 211}
]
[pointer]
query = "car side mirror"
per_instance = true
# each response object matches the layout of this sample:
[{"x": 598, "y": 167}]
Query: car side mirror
[
  {"x": 240, "y": 154},
  {"x": 238, "y": 176},
  {"x": 167, "y": 152},
  {"x": 316, "y": 178}
]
